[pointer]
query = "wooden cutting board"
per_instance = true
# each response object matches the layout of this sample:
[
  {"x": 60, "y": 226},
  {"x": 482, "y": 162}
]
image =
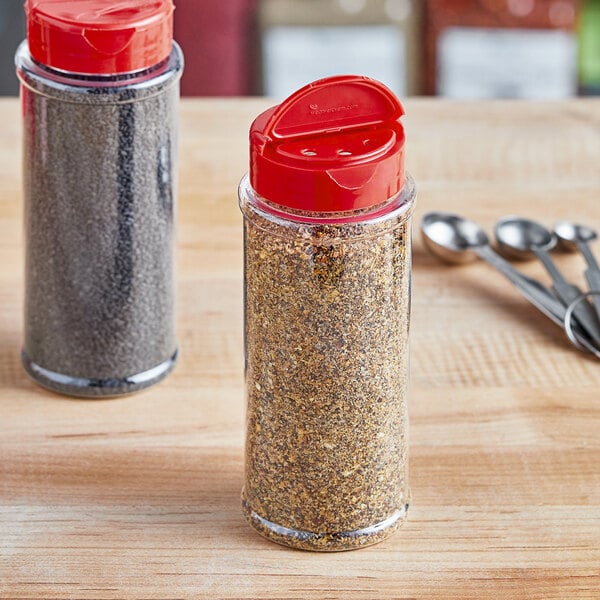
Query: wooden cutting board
[{"x": 139, "y": 497}]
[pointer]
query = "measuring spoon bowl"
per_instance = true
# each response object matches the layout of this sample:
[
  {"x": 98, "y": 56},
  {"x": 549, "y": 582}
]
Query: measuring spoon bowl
[
  {"x": 571, "y": 234},
  {"x": 452, "y": 238},
  {"x": 520, "y": 238}
]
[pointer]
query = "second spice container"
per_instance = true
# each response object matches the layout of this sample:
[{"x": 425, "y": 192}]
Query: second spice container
[
  {"x": 99, "y": 85},
  {"x": 327, "y": 207}
]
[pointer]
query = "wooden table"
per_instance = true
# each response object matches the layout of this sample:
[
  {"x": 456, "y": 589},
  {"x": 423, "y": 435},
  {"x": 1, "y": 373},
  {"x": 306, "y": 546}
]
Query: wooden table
[{"x": 139, "y": 497}]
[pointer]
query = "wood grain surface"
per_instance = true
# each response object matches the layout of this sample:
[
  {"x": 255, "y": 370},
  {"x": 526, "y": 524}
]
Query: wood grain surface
[{"x": 139, "y": 497}]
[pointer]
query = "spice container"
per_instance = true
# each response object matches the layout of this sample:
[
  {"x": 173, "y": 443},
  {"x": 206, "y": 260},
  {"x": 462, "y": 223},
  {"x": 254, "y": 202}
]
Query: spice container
[
  {"x": 99, "y": 87},
  {"x": 479, "y": 49},
  {"x": 302, "y": 40},
  {"x": 327, "y": 208}
]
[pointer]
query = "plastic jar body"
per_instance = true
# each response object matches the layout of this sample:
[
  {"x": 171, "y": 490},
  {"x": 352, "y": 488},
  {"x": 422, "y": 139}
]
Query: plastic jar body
[
  {"x": 99, "y": 162},
  {"x": 327, "y": 305}
]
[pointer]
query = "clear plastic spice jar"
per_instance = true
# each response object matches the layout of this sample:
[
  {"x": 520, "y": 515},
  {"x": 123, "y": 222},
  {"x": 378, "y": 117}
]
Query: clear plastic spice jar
[
  {"x": 327, "y": 208},
  {"x": 99, "y": 88}
]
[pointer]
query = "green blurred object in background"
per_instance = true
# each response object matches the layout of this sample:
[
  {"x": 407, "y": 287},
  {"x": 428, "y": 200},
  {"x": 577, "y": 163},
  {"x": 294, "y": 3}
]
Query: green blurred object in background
[{"x": 589, "y": 48}]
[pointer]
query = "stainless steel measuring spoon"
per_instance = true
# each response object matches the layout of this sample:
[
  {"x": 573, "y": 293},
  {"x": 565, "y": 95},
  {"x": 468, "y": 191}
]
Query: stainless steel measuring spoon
[
  {"x": 523, "y": 237},
  {"x": 577, "y": 237},
  {"x": 457, "y": 240}
]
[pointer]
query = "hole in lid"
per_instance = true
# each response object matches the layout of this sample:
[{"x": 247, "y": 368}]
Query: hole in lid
[
  {"x": 344, "y": 153},
  {"x": 366, "y": 142},
  {"x": 307, "y": 152}
]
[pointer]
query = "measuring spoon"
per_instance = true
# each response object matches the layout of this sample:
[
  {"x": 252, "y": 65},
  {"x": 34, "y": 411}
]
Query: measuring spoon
[
  {"x": 455, "y": 239},
  {"x": 523, "y": 237},
  {"x": 573, "y": 237}
]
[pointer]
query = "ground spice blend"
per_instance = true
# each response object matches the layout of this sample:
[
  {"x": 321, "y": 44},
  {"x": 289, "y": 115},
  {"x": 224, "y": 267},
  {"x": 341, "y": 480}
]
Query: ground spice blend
[
  {"x": 327, "y": 209},
  {"x": 99, "y": 87}
]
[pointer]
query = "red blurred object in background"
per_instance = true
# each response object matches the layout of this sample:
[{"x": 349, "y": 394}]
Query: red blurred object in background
[{"x": 216, "y": 38}]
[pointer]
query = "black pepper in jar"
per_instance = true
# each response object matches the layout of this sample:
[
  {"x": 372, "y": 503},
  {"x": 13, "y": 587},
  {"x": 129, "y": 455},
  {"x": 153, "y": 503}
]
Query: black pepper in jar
[{"x": 100, "y": 136}]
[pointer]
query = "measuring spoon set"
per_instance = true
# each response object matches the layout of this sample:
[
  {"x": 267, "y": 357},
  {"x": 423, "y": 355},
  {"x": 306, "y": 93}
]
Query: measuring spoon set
[{"x": 455, "y": 239}]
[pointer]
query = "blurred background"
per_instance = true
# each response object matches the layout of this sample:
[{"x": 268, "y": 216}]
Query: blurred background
[{"x": 470, "y": 49}]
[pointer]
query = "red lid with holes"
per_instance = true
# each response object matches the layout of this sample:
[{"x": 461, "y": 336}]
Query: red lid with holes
[
  {"x": 335, "y": 145},
  {"x": 99, "y": 37}
]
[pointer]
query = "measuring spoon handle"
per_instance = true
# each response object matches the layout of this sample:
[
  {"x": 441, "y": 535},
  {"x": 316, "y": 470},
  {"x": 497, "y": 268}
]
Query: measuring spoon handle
[
  {"x": 592, "y": 277},
  {"x": 588, "y": 255},
  {"x": 568, "y": 293},
  {"x": 533, "y": 290}
]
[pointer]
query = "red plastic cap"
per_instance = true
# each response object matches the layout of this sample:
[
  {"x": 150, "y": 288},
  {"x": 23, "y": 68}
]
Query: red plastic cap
[
  {"x": 335, "y": 145},
  {"x": 99, "y": 37}
]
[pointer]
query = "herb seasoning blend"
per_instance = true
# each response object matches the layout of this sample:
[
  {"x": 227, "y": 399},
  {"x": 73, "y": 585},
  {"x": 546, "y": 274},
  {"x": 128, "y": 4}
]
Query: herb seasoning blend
[
  {"x": 327, "y": 208},
  {"x": 99, "y": 87}
]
